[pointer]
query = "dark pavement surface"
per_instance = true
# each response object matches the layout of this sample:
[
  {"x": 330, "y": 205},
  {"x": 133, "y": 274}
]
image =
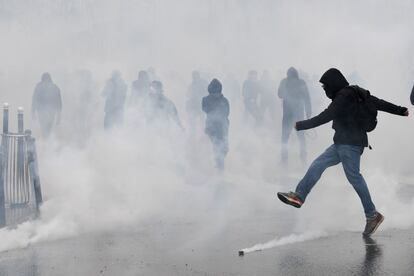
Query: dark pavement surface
[{"x": 166, "y": 249}]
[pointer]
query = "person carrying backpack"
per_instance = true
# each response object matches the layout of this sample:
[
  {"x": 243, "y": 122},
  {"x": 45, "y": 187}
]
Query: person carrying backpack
[{"x": 353, "y": 112}]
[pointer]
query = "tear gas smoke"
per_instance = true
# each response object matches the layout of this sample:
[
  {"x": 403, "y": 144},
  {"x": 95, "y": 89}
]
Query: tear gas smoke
[{"x": 134, "y": 175}]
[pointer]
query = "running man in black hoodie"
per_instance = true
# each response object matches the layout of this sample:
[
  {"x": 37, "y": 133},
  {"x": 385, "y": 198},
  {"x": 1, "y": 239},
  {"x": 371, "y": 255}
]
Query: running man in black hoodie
[
  {"x": 349, "y": 142},
  {"x": 216, "y": 106}
]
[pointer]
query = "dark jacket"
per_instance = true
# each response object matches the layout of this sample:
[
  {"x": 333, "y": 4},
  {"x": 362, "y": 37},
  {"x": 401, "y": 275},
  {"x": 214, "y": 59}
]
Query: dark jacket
[
  {"x": 114, "y": 93},
  {"x": 295, "y": 95},
  {"x": 342, "y": 111},
  {"x": 162, "y": 109},
  {"x": 412, "y": 96},
  {"x": 46, "y": 98},
  {"x": 217, "y": 108}
]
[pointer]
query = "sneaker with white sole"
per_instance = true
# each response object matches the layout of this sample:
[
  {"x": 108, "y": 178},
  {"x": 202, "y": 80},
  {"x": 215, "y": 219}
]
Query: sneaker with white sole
[
  {"x": 290, "y": 198},
  {"x": 372, "y": 224}
]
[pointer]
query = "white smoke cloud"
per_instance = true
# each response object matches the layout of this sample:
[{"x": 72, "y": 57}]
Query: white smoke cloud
[{"x": 135, "y": 174}]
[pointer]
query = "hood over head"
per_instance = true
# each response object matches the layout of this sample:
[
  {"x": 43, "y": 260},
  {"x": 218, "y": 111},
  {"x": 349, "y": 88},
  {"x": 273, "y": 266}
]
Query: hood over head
[
  {"x": 215, "y": 87},
  {"x": 292, "y": 73},
  {"x": 252, "y": 75},
  {"x": 143, "y": 76},
  {"x": 116, "y": 75},
  {"x": 46, "y": 77},
  {"x": 157, "y": 87},
  {"x": 333, "y": 81}
]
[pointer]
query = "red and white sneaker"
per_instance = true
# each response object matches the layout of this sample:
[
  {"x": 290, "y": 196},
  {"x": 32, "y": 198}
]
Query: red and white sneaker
[{"x": 290, "y": 198}]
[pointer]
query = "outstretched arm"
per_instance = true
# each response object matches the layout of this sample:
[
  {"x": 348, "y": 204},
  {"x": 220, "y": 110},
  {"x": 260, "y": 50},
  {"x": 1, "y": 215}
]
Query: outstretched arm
[
  {"x": 325, "y": 116},
  {"x": 390, "y": 108}
]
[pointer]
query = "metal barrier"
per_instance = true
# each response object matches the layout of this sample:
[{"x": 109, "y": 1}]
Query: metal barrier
[{"x": 20, "y": 191}]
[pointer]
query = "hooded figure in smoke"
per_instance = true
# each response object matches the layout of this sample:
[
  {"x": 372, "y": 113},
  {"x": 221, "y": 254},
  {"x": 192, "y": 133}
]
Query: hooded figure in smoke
[
  {"x": 251, "y": 91},
  {"x": 140, "y": 88},
  {"x": 114, "y": 93},
  {"x": 349, "y": 104},
  {"x": 47, "y": 104},
  {"x": 159, "y": 107},
  {"x": 296, "y": 104},
  {"x": 216, "y": 106},
  {"x": 196, "y": 92}
]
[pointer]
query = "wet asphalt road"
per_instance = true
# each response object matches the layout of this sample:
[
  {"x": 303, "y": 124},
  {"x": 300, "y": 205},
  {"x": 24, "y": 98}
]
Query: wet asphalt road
[
  {"x": 164, "y": 249},
  {"x": 209, "y": 245}
]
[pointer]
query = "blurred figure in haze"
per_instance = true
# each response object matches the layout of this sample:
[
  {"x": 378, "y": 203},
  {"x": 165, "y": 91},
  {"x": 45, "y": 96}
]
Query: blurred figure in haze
[
  {"x": 159, "y": 107},
  {"x": 412, "y": 96},
  {"x": 152, "y": 74},
  {"x": 296, "y": 102},
  {"x": 140, "y": 88},
  {"x": 217, "y": 108},
  {"x": 251, "y": 90},
  {"x": 47, "y": 104},
  {"x": 268, "y": 97},
  {"x": 196, "y": 92},
  {"x": 114, "y": 93}
]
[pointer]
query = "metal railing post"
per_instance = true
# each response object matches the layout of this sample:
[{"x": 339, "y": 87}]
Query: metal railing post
[
  {"x": 5, "y": 118},
  {"x": 2, "y": 160},
  {"x": 20, "y": 120}
]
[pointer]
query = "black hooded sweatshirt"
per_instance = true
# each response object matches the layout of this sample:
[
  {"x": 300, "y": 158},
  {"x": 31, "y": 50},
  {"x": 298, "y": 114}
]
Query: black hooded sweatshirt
[
  {"x": 217, "y": 108},
  {"x": 342, "y": 110}
]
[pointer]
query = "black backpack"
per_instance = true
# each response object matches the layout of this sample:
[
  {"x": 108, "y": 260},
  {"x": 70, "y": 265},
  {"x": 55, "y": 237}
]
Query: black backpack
[{"x": 366, "y": 109}]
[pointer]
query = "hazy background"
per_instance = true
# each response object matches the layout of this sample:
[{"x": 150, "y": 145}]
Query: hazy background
[{"x": 135, "y": 175}]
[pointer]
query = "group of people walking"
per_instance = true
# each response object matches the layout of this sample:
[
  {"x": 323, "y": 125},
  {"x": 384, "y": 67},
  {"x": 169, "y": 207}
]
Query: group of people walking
[{"x": 206, "y": 105}]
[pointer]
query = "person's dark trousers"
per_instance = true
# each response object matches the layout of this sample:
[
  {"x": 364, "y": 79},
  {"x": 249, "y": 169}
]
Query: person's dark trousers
[
  {"x": 220, "y": 148},
  {"x": 287, "y": 127},
  {"x": 350, "y": 157}
]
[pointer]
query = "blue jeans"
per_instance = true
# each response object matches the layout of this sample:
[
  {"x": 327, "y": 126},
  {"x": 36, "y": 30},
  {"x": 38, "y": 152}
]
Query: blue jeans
[{"x": 350, "y": 157}]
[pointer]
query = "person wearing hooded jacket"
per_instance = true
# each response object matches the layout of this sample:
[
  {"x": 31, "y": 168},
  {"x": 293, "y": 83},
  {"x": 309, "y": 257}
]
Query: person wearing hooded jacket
[
  {"x": 296, "y": 104},
  {"x": 140, "y": 87},
  {"x": 114, "y": 93},
  {"x": 47, "y": 104},
  {"x": 159, "y": 107},
  {"x": 217, "y": 108},
  {"x": 350, "y": 139}
]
